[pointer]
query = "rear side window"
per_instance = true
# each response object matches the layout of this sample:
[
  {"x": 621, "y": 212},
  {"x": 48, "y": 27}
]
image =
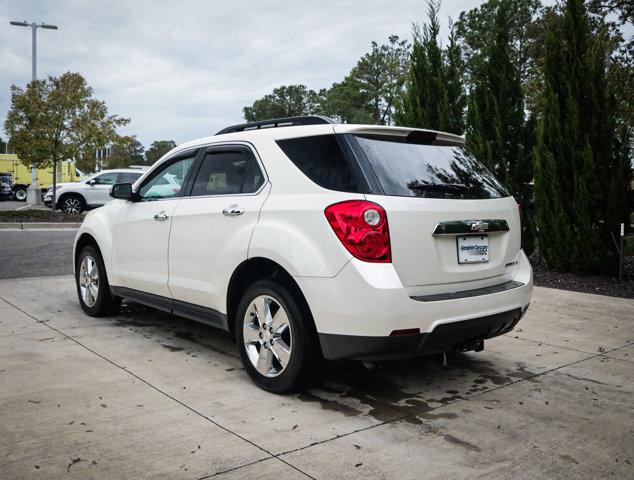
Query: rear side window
[
  {"x": 128, "y": 177},
  {"x": 228, "y": 173},
  {"x": 322, "y": 160},
  {"x": 427, "y": 170}
]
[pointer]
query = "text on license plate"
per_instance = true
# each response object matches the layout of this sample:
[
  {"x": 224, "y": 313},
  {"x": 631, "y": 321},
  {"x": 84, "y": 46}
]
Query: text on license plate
[{"x": 473, "y": 249}]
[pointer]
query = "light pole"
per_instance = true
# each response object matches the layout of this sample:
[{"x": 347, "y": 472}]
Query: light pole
[{"x": 34, "y": 26}]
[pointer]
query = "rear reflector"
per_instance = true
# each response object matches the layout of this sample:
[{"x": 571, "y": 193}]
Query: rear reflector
[{"x": 407, "y": 331}]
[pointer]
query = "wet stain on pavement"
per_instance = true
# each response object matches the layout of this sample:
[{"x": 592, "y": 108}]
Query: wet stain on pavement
[
  {"x": 400, "y": 390},
  {"x": 167, "y": 330}
]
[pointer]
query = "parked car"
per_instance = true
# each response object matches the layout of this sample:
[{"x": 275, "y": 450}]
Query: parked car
[
  {"x": 310, "y": 240},
  {"x": 6, "y": 186},
  {"x": 75, "y": 197}
]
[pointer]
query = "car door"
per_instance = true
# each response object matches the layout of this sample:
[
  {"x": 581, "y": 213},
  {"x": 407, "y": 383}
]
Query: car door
[
  {"x": 141, "y": 232},
  {"x": 212, "y": 226},
  {"x": 98, "y": 188}
]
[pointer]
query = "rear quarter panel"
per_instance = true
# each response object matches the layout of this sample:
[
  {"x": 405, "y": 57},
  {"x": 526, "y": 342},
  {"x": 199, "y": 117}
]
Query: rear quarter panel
[{"x": 292, "y": 229}]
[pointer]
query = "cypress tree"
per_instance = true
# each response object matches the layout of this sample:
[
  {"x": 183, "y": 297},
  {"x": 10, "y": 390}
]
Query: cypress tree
[
  {"x": 424, "y": 103},
  {"x": 580, "y": 171},
  {"x": 456, "y": 99},
  {"x": 496, "y": 126}
]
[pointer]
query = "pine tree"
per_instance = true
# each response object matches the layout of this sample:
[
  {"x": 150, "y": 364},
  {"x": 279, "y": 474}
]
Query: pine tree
[{"x": 580, "y": 171}]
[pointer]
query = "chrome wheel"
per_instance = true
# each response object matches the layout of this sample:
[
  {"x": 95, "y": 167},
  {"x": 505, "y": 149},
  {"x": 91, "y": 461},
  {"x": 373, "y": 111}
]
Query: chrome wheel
[
  {"x": 20, "y": 195},
  {"x": 88, "y": 280},
  {"x": 267, "y": 336},
  {"x": 72, "y": 205}
]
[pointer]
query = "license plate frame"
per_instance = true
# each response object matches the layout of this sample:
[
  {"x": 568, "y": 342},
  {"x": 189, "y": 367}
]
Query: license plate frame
[{"x": 472, "y": 249}]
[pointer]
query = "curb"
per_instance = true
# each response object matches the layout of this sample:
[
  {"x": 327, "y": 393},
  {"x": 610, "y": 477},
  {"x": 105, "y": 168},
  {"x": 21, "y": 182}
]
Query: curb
[{"x": 38, "y": 225}]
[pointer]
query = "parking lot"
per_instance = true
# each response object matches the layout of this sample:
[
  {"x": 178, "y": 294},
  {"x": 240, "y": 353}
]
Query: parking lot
[
  {"x": 147, "y": 395},
  {"x": 15, "y": 205}
]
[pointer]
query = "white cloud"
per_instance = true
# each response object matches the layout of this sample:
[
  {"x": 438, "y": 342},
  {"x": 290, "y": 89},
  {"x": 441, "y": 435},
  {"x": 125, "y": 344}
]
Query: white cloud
[{"x": 184, "y": 69}]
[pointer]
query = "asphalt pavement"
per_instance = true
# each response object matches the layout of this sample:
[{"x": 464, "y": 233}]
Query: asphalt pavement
[
  {"x": 14, "y": 205},
  {"x": 36, "y": 253}
]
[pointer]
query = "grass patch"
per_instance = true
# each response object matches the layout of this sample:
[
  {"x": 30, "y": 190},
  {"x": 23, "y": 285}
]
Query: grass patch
[{"x": 39, "y": 216}]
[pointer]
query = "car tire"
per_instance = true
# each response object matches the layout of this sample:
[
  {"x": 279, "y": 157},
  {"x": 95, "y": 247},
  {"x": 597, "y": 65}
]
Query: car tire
[
  {"x": 290, "y": 355},
  {"x": 20, "y": 194},
  {"x": 93, "y": 289},
  {"x": 72, "y": 203}
]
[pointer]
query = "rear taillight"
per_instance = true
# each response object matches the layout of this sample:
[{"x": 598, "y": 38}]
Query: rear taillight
[{"x": 362, "y": 228}]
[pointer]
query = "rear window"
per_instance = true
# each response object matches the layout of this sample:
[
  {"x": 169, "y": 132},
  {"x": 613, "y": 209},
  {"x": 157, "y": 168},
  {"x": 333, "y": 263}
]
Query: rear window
[
  {"x": 321, "y": 159},
  {"x": 428, "y": 171}
]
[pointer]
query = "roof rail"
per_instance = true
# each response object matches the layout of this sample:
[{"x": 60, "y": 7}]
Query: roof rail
[{"x": 278, "y": 122}]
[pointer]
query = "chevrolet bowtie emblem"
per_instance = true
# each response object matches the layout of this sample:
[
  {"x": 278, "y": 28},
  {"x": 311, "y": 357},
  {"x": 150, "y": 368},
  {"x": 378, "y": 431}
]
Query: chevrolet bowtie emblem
[{"x": 479, "y": 226}]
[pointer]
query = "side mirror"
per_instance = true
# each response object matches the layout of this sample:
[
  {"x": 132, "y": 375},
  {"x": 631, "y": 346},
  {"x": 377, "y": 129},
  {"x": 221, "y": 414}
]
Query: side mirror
[
  {"x": 122, "y": 191},
  {"x": 92, "y": 182}
]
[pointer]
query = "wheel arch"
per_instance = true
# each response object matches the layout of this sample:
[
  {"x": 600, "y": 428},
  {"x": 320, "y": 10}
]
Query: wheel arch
[
  {"x": 58, "y": 200},
  {"x": 82, "y": 241},
  {"x": 252, "y": 270}
]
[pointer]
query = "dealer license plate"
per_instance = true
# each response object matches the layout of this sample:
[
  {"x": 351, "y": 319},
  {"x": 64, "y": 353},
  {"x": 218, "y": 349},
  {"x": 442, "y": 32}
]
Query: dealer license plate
[{"x": 473, "y": 249}]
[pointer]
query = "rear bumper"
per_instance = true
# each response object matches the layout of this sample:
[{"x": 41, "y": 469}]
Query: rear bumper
[
  {"x": 365, "y": 303},
  {"x": 445, "y": 337}
]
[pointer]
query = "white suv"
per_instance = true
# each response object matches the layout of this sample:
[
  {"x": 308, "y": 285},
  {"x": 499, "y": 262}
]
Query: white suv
[
  {"x": 92, "y": 192},
  {"x": 311, "y": 240}
]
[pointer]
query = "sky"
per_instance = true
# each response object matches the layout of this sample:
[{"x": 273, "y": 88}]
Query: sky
[{"x": 184, "y": 69}]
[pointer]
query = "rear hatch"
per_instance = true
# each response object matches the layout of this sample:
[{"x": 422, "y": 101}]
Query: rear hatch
[{"x": 450, "y": 220}]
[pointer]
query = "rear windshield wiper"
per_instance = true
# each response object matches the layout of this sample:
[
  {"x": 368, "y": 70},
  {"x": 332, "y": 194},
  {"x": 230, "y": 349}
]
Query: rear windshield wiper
[{"x": 447, "y": 187}]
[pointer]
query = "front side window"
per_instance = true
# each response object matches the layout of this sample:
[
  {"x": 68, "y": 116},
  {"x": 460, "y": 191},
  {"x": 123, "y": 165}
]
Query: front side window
[
  {"x": 228, "y": 172},
  {"x": 109, "y": 178},
  {"x": 169, "y": 181}
]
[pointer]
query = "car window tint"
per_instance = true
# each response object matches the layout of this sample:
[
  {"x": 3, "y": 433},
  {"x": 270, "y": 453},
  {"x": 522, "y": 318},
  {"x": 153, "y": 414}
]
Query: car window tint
[
  {"x": 109, "y": 178},
  {"x": 322, "y": 160},
  {"x": 227, "y": 173},
  {"x": 168, "y": 182},
  {"x": 410, "y": 169},
  {"x": 128, "y": 177},
  {"x": 253, "y": 179}
]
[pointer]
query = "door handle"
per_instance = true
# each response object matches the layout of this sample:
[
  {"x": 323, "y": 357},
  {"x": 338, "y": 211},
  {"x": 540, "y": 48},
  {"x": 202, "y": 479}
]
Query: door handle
[
  {"x": 160, "y": 217},
  {"x": 233, "y": 210}
]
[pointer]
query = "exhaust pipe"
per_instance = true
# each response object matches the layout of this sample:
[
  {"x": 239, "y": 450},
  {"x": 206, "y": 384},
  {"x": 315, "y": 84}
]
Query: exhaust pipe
[{"x": 474, "y": 344}]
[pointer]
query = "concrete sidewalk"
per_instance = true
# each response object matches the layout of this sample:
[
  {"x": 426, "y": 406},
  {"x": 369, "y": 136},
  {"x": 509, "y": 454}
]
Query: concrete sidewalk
[{"x": 148, "y": 395}]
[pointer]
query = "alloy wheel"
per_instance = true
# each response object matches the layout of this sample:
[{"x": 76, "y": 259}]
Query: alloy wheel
[
  {"x": 267, "y": 336},
  {"x": 72, "y": 205},
  {"x": 88, "y": 280},
  {"x": 20, "y": 195}
]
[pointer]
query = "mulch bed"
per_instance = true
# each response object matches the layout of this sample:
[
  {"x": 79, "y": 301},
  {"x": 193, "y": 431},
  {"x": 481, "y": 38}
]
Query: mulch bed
[
  {"x": 597, "y": 284},
  {"x": 39, "y": 216}
]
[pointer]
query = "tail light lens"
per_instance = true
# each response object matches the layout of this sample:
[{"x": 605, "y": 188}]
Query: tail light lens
[{"x": 362, "y": 228}]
